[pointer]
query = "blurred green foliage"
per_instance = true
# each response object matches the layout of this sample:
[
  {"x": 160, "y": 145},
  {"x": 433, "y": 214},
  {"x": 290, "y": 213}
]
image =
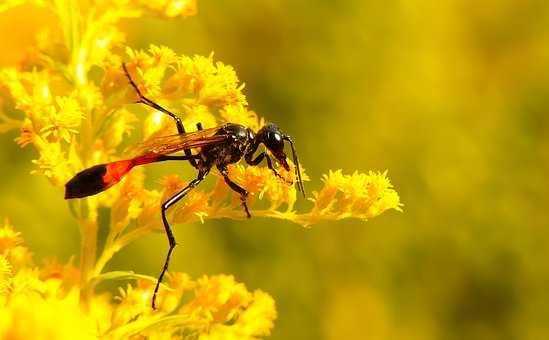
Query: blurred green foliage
[{"x": 451, "y": 97}]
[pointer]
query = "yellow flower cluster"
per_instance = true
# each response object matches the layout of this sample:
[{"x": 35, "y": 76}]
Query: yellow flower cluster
[
  {"x": 70, "y": 99},
  {"x": 215, "y": 307},
  {"x": 358, "y": 195}
]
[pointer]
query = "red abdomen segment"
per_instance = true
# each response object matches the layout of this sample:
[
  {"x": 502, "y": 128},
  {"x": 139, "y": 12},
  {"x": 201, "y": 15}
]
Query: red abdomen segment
[{"x": 101, "y": 177}]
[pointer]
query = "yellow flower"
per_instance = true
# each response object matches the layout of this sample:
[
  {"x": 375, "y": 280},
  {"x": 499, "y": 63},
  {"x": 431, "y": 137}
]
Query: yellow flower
[
  {"x": 255, "y": 321},
  {"x": 53, "y": 163},
  {"x": 67, "y": 273},
  {"x": 214, "y": 85},
  {"x": 218, "y": 299},
  {"x": 133, "y": 301},
  {"x": 120, "y": 126},
  {"x": 9, "y": 238},
  {"x": 75, "y": 103},
  {"x": 357, "y": 195},
  {"x": 5, "y": 275},
  {"x": 240, "y": 113},
  {"x": 64, "y": 121},
  {"x": 27, "y": 133},
  {"x": 172, "y": 8},
  {"x": 50, "y": 319},
  {"x": 216, "y": 305},
  {"x": 148, "y": 68},
  {"x": 19, "y": 256},
  {"x": 258, "y": 319},
  {"x": 171, "y": 184}
]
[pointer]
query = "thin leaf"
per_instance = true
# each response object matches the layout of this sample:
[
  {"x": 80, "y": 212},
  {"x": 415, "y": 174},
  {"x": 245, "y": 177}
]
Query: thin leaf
[
  {"x": 124, "y": 275},
  {"x": 144, "y": 324}
]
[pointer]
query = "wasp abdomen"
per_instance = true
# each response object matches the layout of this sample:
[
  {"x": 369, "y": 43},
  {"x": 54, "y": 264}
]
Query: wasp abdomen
[{"x": 96, "y": 179}]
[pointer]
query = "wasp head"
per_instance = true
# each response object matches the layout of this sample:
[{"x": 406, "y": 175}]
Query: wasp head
[{"x": 273, "y": 139}]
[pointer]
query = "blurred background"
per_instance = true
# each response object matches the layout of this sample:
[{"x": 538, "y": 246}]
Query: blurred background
[{"x": 451, "y": 97}]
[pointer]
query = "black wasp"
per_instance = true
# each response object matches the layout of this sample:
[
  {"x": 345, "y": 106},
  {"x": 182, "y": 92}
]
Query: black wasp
[{"x": 218, "y": 146}]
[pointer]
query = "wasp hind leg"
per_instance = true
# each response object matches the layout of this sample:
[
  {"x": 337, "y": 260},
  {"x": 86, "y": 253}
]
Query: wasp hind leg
[
  {"x": 169, "y": 233},
  {"x": 148, "y": 102}
]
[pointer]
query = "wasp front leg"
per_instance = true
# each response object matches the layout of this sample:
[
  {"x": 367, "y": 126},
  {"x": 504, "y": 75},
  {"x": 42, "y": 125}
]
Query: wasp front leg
[{"x": 260, "y": 158}]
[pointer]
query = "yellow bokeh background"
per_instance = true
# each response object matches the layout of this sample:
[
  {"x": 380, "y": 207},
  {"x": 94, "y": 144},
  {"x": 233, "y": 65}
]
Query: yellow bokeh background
[{"x": 449, "y": 96}]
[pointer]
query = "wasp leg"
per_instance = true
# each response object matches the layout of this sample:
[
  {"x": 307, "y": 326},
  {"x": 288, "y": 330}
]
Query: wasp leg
[
  {"x": 270, "y": 166},
  {"x": 177, "y": 158},
  {"x": 237, "y": 188},
  {"x": 169, "y": 233},
  {"x": 148, "y": 102},
  {"x": 258, "y": 160}
]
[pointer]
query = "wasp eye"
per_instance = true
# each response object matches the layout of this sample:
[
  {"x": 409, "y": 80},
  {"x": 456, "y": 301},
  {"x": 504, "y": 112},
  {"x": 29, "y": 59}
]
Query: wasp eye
[
  {"x": 272, "y": 138},
  {"x": 274, "y": 141}
]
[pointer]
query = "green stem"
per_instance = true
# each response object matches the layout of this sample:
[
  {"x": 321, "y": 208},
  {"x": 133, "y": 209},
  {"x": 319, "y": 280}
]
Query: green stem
[
  {"x": 105, "y": 257},
  {"x": 113, "y": 246},
  {"x": 88, "y": 251}
]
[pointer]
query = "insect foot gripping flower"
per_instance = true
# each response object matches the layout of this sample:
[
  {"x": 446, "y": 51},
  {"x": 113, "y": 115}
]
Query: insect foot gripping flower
[{"x": 72, "y": 102}]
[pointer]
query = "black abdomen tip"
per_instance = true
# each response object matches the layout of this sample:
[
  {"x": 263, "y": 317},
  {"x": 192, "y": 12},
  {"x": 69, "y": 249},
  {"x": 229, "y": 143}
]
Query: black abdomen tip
[{"x": 86, "y": 183}]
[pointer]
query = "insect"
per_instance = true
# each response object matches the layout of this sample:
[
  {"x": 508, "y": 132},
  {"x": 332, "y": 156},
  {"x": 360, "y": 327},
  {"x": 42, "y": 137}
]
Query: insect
[{"x": 218, "y": 146}]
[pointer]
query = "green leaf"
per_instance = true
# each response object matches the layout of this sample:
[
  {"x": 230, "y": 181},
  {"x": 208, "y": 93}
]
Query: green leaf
[
  {"x": 122, "y": 275},
  {"x": 125, "y": 275},
  {"x": 146, "y": 323}
]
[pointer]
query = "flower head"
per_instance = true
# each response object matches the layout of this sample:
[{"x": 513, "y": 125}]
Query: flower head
[
  {"x": 215, "y": 306},
  {"x": 71, "y": 100}
]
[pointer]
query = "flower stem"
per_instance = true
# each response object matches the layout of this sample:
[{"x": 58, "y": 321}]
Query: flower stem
[
  {"x": 105, "y": 257},
  {"x": 88, "y": 230}
]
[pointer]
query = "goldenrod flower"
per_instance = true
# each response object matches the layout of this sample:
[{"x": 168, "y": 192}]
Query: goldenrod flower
[
  {"x": 172, "y": 8},
  {"x": 75, "y": 118},
  {"x": 32, "y": 317},
  {"x": 358, "y": 195},
  {"x": 9, "y": 238},
  {"x": 218, "y": 306},
  {"x": 5, "y": 275},
  {"x": 63, "y": 121}
]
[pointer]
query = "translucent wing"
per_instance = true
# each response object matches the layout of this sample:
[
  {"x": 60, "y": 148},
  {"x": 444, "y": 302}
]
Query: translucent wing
[{"x": 164, "y": 145}]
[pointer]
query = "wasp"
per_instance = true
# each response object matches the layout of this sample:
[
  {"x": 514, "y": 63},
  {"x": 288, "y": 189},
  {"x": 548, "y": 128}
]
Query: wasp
[{"x": 214, "y": 147}]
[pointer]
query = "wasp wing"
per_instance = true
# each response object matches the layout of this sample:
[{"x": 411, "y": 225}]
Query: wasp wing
[{"x": 165, "y": 145}]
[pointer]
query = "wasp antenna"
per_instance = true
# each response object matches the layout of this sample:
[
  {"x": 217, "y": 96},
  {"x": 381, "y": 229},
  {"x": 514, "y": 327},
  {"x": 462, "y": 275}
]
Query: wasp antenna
[
  {"x": 296, "y": 164},
  {"x": 133, "y": 84},
  {"x": 127, "y": 73}
]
